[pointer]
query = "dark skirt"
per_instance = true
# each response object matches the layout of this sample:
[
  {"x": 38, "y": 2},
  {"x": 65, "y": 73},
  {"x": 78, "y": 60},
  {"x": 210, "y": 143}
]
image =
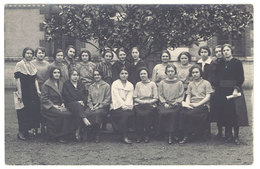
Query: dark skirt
[
  {"x": 78, "y": 112},
  {"x": 231, "y": 112},
  {"x": 120, "y": 119},
  {"x": 144, "y": 114},
  {"x": 193, "y": 120},
  {"x": 29, "y": 117},
  {"x": 96, "y": 117},
  {"x": 168, "y": 119},
  {"x": 59, "y": 123}
]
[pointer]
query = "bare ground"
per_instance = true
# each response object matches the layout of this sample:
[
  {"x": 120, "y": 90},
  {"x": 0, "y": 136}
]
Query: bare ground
[{"x": 112, "y": 152}]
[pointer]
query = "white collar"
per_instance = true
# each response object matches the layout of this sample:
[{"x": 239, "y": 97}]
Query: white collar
[{"x": 208, "y": 61}]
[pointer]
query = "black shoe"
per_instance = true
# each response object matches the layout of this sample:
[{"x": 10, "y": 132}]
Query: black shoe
[
  {"x": 184, "y": 141},
  {"x": 170, "y": 140},
  {"x": 97, "y": 140},
  {"x": 229, "y": 139},
  {"x": 218, "y": 136},
  {"x": 237, "y": 141},
  {"x": 62, "y": 140},
  {"x": 127, "y": 141},
  {"x": 21, "y": 136},
  {"x": 146, "y": 139},
  {"x": 138, "y": 140}
]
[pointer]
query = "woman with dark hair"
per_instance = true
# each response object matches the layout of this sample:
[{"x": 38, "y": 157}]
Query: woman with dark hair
[
  {"x": 75, "y": 98},
  {"x": 232, "y": 113},
  {"x": 58, "y": 62},
  {"x": 41, "y": 65},
  {"x": 194, "y": 115},
  {"x": 145, "y": 97},
  {"x": 183, "y": 67},
  {"x": 122, "y": 103},
  {"x": 106, "y": 66},
  {"x": 171, "y": 93},
  {"x": 121, "y": 62},
  {"x": 70, "y": 56},
  {"x": 99, "y": 99},
  {"x": 137, "y": 64},
  {"x": 85, "y": 68},
  {"x": 60, "y": 122},
  {"x": 159, "y": 70},
  {"x": 28, "y": 91}
]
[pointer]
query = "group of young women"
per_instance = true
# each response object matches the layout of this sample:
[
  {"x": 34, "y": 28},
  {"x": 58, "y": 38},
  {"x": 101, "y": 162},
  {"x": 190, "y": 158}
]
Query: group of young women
[{"x": 177, "y": 101}]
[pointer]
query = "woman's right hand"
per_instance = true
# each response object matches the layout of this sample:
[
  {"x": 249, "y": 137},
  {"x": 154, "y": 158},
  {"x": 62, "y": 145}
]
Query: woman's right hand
[
  {"x": 19, "y": 96},
  {"x": 86, "y": 122},
  {"x": 56, "y": 106}
]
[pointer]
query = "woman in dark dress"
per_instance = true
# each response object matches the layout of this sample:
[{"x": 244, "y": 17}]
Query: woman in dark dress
[
  {"x": 230, "y": 75},
  {"x": 106, "y": 66},
  {"x": 122, "y": 103},
  {"x": 99, "y": 99},
  {"x": 171, "y": 94},
  {"x": 145, "y": 97},
  {"x": 75, "y": 98},
  {"x": 194, "y": 115},
  {"x": 28, "y": 90},
  {"x": 136, "y": 65},
  {"x": 121, "y": 62},
  {"x": 60, "y": 122},
  {"x": 70, "y": 57}
]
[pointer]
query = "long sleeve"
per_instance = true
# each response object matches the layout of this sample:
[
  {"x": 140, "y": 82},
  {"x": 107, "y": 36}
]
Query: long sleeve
[
  {"x": 115, "y": 72},
  {"x": 239, "y": 73},
  {"x": 107, "y": 98},
  {"x": 129, "y": 99},
  {"x": 181, "y": 93},
  {"x": 45, "y": 98},
  {"x": 117, "y": 101},
  {"x": 161, "y": 95},
  {"x": 154, "y": 74}
]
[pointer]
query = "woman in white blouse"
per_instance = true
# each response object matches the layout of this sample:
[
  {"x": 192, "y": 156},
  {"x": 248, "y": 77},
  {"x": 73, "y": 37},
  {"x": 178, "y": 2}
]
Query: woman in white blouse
[{"x": 122, "y": 103}]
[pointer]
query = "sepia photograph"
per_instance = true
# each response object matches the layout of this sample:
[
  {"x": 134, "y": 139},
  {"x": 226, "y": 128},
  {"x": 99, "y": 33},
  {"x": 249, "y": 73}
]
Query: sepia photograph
[{"x": 128, "y": 84}]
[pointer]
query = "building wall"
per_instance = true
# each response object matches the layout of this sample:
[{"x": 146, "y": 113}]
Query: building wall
[{"x": 21, "y": 29}]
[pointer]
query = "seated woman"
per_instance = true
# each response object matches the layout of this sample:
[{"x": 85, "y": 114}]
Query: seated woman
[
  {"x": 171, "y": 93},
  {"x": 122, "y": 103},
  {"x": 194, "y": 115},
  {"x": 75, "y": 97},
  {"x": 145, "y": 97},
  {"x": 99, "y": 99},
  {"x": 59, "y": 120}
]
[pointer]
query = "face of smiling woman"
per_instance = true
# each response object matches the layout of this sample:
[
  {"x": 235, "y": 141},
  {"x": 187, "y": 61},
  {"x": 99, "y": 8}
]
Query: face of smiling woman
[
  {"x": 28, "y": 55},
  {"x": 123, "y": 75}
]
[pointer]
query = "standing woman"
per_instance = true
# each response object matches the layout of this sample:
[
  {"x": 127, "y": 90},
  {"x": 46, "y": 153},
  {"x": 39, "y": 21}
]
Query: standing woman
[
  {"x": 159, "y": 69},
  {"x": 183, "y": 67},
  {"x": 60, "y": 122},
  {"x": 122, "y": 103},
  {"x": 85, "y": 68},
  {"x": 171, "y": 93},
  {"x": 194, "y": 118},
  {"x": 59, "y": 62},
  {"x": 145, "y": 97},
  {"x": 99, "y": 99},
  {"x": 121, "y": 62},
  {"x": 231, "y": 77},
  {"x": 28, "y": 91},
  {"x": 41, "y": 65},
  {"x": 106, "y": 66},
  {"x": 70, "y": 56},
  {"x": 75, "y": 98},
  {"x": 137, "y": 64}
]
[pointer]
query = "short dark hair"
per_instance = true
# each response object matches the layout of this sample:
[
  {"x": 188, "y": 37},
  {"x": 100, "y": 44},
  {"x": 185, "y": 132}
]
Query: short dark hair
[
  {"x": 205, "y": 48},
  {"x": 72, "y": 70},
  {"x": 99, "y": 71},
  {"x": 123, "y": 68},
  {"x": 108, "y": 51},
  {"x": 186, "y": 54},
  {"x": 168, "y": 66},
  {"x": 143, "y": 68},
  {"x": 41, "y": 49},
  {"x": 85, "y": 51},
  {"x": 25, "y": 50},
  {"x": 196, "y": 66},
  {"x": 68, "y": 48},
  {"x": 229, "y": 46},
  {"x": 52, "y": 70},
  {"x": 56, "y": 52},
  {"x": 119, "y": 50},
  {"x": 166, "y": 51}
]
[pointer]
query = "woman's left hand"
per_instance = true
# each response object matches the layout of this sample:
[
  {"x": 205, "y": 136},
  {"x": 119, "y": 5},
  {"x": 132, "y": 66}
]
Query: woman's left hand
[{"x": 39, "y": 93}]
